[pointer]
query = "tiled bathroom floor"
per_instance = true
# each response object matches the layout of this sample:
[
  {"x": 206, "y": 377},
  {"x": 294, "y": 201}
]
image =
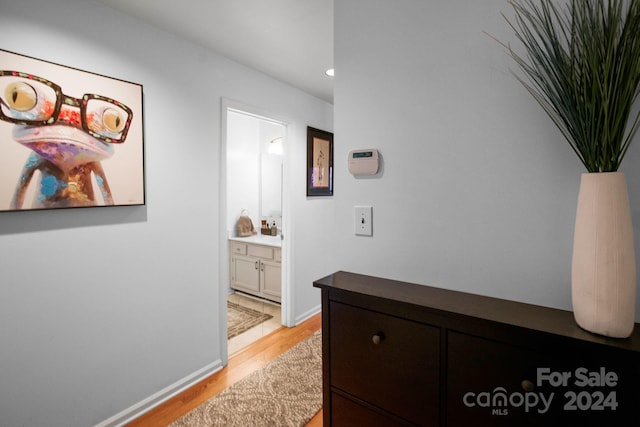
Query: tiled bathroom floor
[{"x": 244, "y": 339}]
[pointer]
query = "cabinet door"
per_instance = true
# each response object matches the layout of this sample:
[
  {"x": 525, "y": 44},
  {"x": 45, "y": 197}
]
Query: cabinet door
[
  {"x": 270, "y": 278},
  {"x": 492, "y": 383},
  {"x": 390, "y": 363},
  {"x": 245, "y": 273}
]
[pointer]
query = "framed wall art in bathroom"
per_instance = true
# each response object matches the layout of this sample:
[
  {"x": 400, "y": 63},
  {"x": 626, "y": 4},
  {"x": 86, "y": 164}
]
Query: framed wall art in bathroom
[
  {"x": 68, "y": 138},
  {"x": 319, "y": 162}
]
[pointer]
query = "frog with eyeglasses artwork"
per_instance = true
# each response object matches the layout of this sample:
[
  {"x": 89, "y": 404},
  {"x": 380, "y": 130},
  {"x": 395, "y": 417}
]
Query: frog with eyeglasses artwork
[{"x": 68, "y": 138}]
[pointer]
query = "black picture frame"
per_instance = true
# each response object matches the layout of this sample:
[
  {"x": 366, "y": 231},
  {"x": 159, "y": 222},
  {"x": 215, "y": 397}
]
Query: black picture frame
[
  {"x": 319, "y": 162},
  {"x": 81, "y": 140}
]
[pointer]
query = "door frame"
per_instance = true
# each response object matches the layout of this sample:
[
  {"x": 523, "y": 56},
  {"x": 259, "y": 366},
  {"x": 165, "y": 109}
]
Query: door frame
[{"x": 224, "y": 276}]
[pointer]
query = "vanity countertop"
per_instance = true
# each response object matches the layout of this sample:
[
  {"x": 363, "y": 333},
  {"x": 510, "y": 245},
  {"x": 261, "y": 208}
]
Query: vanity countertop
[{"x": 260, "y": 239}]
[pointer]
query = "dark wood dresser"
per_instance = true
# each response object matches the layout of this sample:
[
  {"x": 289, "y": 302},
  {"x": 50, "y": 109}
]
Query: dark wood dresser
[{"x": 402, "y": 354}]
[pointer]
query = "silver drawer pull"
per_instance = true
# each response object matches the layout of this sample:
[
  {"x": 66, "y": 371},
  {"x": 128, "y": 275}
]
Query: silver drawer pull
[{"x": 377, "y": 338}]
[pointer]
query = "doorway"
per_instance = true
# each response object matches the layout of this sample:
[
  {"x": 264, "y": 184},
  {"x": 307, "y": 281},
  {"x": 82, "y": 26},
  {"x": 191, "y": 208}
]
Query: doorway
[{"x": 253, "y": 153}]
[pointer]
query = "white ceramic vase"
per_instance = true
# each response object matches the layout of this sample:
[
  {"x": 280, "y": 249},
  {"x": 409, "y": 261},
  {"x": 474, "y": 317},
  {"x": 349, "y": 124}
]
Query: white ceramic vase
[{"x": 603, "y": 276}]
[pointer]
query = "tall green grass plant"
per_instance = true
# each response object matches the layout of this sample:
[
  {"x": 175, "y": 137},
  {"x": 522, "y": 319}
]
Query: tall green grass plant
[{"x": 580, "y": 60}]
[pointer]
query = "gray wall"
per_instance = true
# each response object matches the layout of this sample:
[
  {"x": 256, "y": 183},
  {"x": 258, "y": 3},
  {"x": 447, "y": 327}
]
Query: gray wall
[
  {"x": 479, "y": 190},
  {"x": 104, "y": 310}
]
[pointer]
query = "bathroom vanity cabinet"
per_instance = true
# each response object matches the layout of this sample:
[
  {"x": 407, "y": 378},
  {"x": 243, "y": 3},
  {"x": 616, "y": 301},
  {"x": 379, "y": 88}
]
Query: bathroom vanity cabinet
[
  {"x": 402, "y": 354},
  {"x": 256, "y": 267}
]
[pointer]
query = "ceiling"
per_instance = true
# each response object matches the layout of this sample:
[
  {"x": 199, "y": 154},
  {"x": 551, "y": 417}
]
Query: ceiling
[{"x": 290, "y": 40}]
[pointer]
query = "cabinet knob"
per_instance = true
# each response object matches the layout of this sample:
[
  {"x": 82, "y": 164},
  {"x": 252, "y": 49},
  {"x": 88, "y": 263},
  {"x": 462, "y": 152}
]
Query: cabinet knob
[
  {"x": 377, "y": 338},
  {"x": 527, "y": 385},
  {"x": 257, "y": 262}
]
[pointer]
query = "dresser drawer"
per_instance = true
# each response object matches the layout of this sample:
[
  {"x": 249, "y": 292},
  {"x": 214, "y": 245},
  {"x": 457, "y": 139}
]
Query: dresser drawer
[
  {"x": 478, "y": 368},
  {"x": 346, "y": 413},
  {"x": 238, "y": 248},
  {"x": 486, "y": 379},
  {"x": 399, "y": 373},
  {"x": 260, "y": 251}
]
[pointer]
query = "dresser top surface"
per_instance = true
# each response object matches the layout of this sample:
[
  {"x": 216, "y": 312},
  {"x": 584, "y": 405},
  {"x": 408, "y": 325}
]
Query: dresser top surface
[{"x": 534, "y": 317}]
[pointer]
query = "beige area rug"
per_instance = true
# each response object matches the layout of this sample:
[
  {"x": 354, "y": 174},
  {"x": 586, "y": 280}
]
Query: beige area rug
[
  {"x": 285, "y": 392},
  {"x": 241, "y": 319}
]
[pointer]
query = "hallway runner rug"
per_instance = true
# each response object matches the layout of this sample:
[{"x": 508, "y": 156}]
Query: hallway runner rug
[
  {"x": 241, "y": 319},
  {"x": 285, "y": 392}
]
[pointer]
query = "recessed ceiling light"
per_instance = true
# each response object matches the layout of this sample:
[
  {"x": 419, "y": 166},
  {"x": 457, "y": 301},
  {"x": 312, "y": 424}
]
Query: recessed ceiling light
[{"x": 329, "y": 72}]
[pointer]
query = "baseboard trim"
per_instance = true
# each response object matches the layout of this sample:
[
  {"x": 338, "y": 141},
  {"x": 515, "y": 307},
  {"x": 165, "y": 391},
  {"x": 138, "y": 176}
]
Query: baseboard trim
[
  {"x": 308, "y": 314},
  {"x": 133, "y": 412}
]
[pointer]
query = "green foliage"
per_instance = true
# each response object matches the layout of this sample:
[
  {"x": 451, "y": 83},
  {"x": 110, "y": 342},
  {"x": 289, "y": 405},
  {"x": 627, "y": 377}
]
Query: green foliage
[{"x": 581, "y": 62}]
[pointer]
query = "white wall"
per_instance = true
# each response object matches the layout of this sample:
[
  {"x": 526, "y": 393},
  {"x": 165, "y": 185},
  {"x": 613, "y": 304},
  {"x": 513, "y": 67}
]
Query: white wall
[
  {"x": 101, "y": 309},
  {"x": 479, "y": 190},
  {"x": 243, "y": 169},
  {"x": 251, "y": 170}
]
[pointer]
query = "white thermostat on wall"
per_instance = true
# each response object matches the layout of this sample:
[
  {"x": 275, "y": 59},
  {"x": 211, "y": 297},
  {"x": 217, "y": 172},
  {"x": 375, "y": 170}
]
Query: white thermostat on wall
[{"x": 364, "y": 162}]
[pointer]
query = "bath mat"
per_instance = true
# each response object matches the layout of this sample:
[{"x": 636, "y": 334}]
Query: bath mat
[{"x": 241, "y": 319}]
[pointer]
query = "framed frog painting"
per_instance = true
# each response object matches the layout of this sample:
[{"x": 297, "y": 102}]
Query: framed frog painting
[{"x": 68, "y": 138}]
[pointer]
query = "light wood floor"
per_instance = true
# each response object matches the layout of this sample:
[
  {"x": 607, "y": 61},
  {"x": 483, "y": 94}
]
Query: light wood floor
[{"x": 241, "y": 364}]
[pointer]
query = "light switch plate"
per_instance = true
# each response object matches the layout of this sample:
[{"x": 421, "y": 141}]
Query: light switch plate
[{"x": 363, "y": 220}]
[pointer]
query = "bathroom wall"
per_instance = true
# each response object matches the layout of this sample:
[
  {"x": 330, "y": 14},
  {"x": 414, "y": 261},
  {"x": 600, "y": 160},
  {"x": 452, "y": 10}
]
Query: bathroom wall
[
  {"x": 248, "y": 161},
  {"x": 243, "y": 169},
  {"x": 105, "y": 311},
  {"x": 271, "y": 169}
]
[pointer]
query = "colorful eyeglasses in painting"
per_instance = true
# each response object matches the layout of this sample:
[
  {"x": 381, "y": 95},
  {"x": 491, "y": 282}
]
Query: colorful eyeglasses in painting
[{"x": 31, "y": 100}]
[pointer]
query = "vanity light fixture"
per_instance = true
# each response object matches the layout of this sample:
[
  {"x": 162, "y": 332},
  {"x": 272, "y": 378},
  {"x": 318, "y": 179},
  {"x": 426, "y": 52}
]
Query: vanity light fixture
[{"x": 329, "y": 72}]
